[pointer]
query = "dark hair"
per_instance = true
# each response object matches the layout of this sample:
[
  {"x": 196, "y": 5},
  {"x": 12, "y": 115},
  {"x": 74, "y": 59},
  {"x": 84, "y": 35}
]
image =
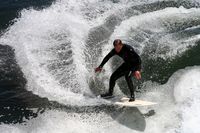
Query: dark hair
[{"x": 117, "y": 41}]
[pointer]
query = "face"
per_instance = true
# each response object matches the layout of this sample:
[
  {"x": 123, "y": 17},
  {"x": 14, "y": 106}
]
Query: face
[{"x": 118, "y": 47}]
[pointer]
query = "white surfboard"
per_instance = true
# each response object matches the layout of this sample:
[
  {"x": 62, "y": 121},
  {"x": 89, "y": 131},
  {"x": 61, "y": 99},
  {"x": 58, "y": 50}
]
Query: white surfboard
[{"x": 125, "y": 102}]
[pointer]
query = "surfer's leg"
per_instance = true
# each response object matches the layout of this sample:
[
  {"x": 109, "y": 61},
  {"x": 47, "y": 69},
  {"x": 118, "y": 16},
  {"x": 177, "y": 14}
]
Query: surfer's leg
[
  {"x": 121, "y": 71},
  {"x": 130, "y": 84}
]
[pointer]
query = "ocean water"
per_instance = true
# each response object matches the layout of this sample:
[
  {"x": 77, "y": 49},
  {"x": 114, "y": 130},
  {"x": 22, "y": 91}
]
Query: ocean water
[{"x": 49, "y": 49}]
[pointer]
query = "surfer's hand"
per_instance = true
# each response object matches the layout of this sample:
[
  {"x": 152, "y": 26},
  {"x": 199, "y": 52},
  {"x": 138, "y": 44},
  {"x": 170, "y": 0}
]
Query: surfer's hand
[
  {"x": 137, "y": 75},
  {"x": 98, "y": 69}
]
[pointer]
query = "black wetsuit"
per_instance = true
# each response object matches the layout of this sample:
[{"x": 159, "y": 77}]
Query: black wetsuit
[{"x": 132, "y": 62}]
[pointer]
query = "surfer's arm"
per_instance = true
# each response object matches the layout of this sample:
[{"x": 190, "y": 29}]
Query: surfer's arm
[
  {"x": 107, "y": 57},
  {"x": 136, "y": 67},
  {"x": 135, "y": 60}
]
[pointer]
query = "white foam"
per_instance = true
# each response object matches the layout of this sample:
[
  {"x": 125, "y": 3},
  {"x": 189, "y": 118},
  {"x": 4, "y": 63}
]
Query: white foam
[
  {"x": 36, "y": 36},
  {"x": 187, "y": 95},
  {"x": 61, "y": 122},
  {"x": 158, "y": 23},
  {"x": 177, "y": 111}
]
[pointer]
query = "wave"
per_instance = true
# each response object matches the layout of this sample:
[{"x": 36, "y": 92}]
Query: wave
[
  {"x": 58, "y": 47},
  {"x": 176, "y": 112}
]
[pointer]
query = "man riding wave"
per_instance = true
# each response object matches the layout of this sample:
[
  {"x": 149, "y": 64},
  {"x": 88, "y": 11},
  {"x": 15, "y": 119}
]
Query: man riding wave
[{"x": 131, "y": 66}]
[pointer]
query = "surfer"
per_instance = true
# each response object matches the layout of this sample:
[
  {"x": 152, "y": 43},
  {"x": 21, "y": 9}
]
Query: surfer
[{"x": 131, "y": 66}]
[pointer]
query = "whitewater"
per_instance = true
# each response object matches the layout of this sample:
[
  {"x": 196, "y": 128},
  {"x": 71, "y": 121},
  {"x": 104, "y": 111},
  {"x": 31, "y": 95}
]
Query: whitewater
[{"x": 57, "y": 49}]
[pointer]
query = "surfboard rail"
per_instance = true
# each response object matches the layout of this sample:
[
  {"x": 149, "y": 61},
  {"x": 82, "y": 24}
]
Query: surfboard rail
[{"x": 137, "y": 103}]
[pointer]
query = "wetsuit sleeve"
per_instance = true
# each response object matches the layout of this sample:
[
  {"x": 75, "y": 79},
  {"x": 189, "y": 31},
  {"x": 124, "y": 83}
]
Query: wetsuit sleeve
[
  {"x": 136, "y": 68},
  {"x": 135, "y": 60},
  {"x": 107, "y": 57}
]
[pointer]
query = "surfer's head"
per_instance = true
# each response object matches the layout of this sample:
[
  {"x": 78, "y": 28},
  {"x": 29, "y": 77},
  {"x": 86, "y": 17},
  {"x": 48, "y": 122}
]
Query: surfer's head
[{"x": 118, "y": 45}]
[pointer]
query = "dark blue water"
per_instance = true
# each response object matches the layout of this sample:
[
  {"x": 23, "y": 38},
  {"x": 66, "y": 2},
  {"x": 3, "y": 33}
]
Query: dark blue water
[
  {"x": 10, "y": 9},
  {"x": 16, "y": 102}
]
